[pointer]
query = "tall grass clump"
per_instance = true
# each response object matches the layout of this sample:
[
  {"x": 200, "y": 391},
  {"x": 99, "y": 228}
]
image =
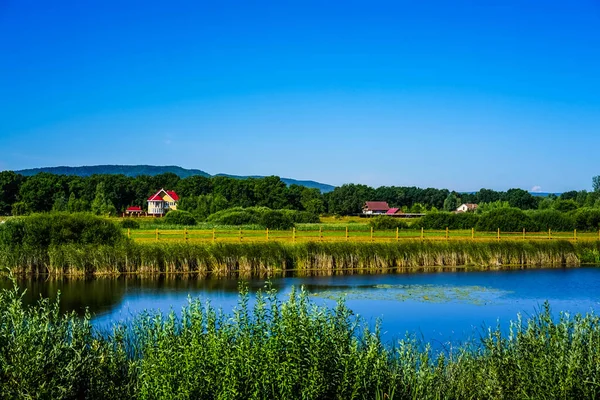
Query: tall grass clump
[{"x": 285, "y": 349}]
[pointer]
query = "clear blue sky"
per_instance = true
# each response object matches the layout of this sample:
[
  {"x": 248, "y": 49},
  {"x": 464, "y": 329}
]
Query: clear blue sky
[{"x": 455, "y": 94}]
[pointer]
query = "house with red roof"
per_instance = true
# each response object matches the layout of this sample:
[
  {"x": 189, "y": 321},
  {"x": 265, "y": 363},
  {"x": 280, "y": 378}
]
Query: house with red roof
[
  {"x": 162, "y": 201},
  {"x": 133, "y": 211},
  {"x": 375, "y": 207}
]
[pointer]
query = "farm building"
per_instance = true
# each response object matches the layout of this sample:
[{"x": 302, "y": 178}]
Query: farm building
[
  {"x": 394, "y": 211},
  {"x": 467, "y": 207},
  {"x": 375, "y": 207},
  {"x": 134, "y": 211},
  {"x": 162, "y": 201}
]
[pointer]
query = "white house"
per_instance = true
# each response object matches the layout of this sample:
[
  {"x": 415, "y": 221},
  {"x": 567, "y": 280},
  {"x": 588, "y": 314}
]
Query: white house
[
  {"x": 467, "y": 207},
  {"x": 162, "y": 201}
]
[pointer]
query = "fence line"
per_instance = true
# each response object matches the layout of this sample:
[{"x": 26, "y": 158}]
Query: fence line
[{"x": 372, "y": 235}]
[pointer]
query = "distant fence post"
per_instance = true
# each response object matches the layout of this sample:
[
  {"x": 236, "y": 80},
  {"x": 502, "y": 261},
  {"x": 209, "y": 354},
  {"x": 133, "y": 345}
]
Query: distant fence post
[
  {"x": 240, "y": 234},
  {"x": 472, "y": 233},
  {"x": 397, "y": 231},
  {"x": 549, "y": 234},
  {"x": 575, "y": 234},
  {"x": 128, "y": 233},
  {"x": 498, "y": 233},
  {"x": 267, "y": 234},
  {"x": 422, "y": 233},
  {"x": 346, "y": 234},
  {"x": 156, "y": 234},
  {"x": 294, "y": 235},
  {"x": 214, "y": 235},
  {"x": 320, "y": 233},
  {"x": 523, "y": 233},
  {"x": 185, "y": 234},
  {"x": 371, "y": 234},
  {"x": 447, "y": 233}
]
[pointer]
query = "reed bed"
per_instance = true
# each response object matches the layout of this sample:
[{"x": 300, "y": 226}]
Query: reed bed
[
  {"x": 275, "y": 257},
  {"x": 285, "y": 349}
]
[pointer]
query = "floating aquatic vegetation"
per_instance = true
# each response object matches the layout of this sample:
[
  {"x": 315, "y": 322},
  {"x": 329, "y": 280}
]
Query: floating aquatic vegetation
[{"x": 422, "y": 293}]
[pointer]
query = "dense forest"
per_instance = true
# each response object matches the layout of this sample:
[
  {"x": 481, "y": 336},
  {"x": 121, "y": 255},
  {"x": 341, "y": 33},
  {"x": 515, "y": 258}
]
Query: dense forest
[{"x": 202, "y": 196}]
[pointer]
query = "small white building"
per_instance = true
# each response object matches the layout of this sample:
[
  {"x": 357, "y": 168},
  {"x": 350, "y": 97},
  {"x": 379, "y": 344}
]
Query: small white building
[
  {"x": 467, "y": 207},
  {"x": 162, "y": 201}
]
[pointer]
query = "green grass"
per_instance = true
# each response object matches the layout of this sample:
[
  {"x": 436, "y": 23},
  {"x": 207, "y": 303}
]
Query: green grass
[{"x": 285, "y": 349}]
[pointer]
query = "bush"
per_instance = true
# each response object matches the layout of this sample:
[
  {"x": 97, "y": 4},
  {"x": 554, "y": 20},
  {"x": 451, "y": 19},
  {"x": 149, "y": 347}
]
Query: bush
[
  {"x": 284, "y": 219},
  {"x": 383, "y": 222},
  {"x": 130, "y": 224},
  {"x": 587, "y": 219},
  {"x": 507, "y": 220},
  {"x": 178, "y": 217},
  {"x": 276, "y": 219},
  {"x": 44, "y": 230},
  {"x": 552, "y": 219},
  {"x": 443, "y": 220}
]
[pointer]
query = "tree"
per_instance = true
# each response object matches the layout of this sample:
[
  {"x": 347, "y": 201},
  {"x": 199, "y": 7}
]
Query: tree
[
  {"x": 451, "y": 202},
  {"x": 520, "y": 198},
  {"x": 101, "y": 205},
  {"x": 596, "y": 183},
  {"x": 10, "y": 183}
]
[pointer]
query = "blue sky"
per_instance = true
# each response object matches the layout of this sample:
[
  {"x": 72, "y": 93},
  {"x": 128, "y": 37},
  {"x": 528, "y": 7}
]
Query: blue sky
[{"x": 454, "y": 94}]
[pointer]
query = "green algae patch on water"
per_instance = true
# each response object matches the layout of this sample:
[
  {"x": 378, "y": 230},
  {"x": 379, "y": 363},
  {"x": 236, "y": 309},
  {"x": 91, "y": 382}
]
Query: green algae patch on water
[{"x": 479, "y": 295}]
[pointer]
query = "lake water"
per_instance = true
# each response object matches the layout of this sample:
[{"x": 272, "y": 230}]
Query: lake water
[{"x": 438, "y": 307}]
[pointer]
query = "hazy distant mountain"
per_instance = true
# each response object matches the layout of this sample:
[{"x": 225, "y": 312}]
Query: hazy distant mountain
[{"x": 135, "y": 170}]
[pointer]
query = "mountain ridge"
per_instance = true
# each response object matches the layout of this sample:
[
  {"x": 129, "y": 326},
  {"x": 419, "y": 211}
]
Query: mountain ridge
[{"x": 136, "y": 170}]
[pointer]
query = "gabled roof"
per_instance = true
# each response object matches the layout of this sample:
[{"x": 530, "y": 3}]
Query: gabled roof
[
  {"x": 377, "y": 205},
  {"x": 392, "y": 211},
  {"x": 173, "y": 195},
  {"x": 158, "y": 196}
]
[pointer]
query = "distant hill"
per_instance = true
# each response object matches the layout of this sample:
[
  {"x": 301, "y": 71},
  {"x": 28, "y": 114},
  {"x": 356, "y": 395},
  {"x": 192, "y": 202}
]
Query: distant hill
[{"x": 136, "y": 170}]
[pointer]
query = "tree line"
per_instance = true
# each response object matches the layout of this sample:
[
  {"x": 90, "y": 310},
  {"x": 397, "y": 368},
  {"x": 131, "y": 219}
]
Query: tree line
[{"x": 203, "y": 196}]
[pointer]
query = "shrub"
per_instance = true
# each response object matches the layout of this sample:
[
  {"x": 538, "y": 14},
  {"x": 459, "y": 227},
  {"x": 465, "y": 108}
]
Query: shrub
[
  {"x": 505, "y": 219},
  {"x": 552, "y": 219},
  {"x": 178, "y": 217},
  {"x": 443, "y": 220},
  {"x": 130, "y": 224},
  {"x": 383, "y": 222},
  {"x": 44, "y": 230},
  {"x": 587, "y": 219},
  {"x": 276, "y": 219}
]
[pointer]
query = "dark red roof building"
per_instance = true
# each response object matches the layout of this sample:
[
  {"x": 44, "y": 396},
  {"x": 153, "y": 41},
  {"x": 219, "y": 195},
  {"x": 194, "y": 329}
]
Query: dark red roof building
[{"x": 375, "y": 207}]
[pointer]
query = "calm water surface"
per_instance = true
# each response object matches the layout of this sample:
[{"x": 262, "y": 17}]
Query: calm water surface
[{"x": 438, "y": 307}]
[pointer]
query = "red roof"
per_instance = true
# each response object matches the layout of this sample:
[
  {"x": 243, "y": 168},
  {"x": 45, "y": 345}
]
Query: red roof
[
  {"x": 158, "y": 197},
  {"x": 173, "y": 195},
  {"x": 134, "y": 208},
  {"x": 377, "y": 205},
  {"x": 392, "y": 211}
]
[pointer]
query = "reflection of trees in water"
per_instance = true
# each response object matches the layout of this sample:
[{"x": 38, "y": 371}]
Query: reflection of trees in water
[
  {"x": 98, "y": 295},
  {"x": 102, "y": 294}
]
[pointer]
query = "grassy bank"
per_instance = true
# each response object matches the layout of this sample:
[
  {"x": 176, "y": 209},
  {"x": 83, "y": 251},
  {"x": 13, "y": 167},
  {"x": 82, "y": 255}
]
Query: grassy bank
[
  {"x": 262, "y": 258},
  {"x": 288, "y": 349}
]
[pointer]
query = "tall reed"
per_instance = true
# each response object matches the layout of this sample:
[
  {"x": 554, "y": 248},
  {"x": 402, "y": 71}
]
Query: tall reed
[{"x": 264, "y": 258}]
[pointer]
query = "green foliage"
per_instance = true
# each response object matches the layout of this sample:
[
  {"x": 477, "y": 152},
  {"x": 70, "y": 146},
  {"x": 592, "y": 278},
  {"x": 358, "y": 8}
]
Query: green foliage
[
  {"x": 520, "y": 198},
  {"x": 267, "y": 218},
  {"x": 507, "y": 220},
  {"x": 443, "y": 220},
  {"x": 596, "y": 183},
  {"x": 565, "y": 205},
  {"x": 130, "y": 223},
  {"x": 285, "y": 349},
  {"x": 9, "y": 189},
  {"x": 451, "y": 203},
  {"x": 178, "y": 217},
  {"x": 383, "y": 222},
  {"x": 485, "y": 207},
  {"x": 587, "y": 219},
  {"x": 101, "y": 205},
  {"x": 39, "y": 231},
  {"x": 552, "y": 219},
  {"x": 20, "y": 208}
]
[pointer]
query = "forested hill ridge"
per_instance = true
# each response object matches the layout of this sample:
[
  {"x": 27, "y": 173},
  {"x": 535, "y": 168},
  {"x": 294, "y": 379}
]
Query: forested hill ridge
[{"x": 153, "y": 170}]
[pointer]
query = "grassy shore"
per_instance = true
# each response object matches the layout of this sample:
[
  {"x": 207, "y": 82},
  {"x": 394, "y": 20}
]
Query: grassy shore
[
  {"x": 284, "y": 349},
  {"x": 310, "y": 257}
]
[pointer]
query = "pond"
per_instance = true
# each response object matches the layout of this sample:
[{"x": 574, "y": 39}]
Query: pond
[{"x": 438, "y": 307}]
